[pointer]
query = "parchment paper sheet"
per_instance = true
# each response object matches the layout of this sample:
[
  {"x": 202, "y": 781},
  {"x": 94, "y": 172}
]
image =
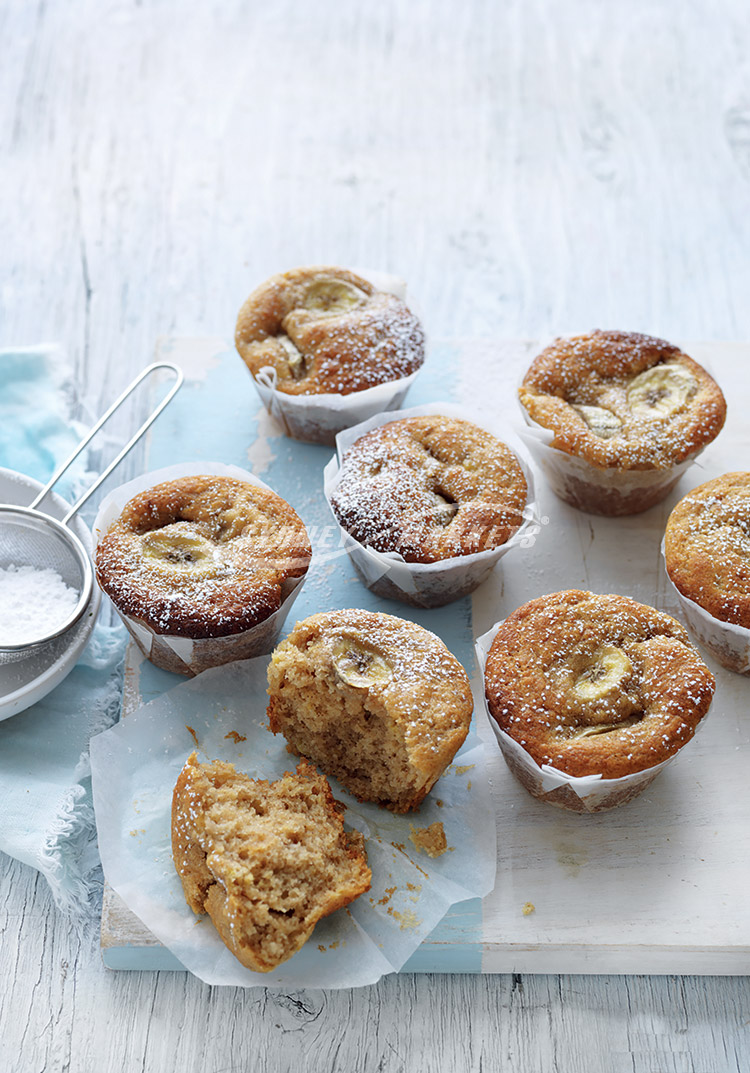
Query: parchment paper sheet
[{"x": 135, "y": 766}]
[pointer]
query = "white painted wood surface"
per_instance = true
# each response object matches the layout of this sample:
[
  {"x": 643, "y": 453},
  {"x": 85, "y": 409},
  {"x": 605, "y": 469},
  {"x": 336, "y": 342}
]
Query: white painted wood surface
[
  {"x": 657, "y": 887},
  {"x": 529, "y": 168}
]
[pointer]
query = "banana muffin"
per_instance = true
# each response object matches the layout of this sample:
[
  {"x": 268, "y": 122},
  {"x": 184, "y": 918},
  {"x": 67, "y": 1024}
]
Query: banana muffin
[
  {"x": 628, "y": 409},
  {"x": 325, "y": 330},
  {"x": 596, "y": 684},
  {"x": 198, "y": 558},
  {"x": 707, "y": 553},
  {"x": 265, "y": 860},
  {"x": 430, "y": 488},
  {"x": 375, "y": 701}
]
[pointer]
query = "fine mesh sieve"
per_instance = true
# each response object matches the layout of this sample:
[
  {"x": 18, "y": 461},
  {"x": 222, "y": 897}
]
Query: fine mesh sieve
[{"x": 29, "y": 538}]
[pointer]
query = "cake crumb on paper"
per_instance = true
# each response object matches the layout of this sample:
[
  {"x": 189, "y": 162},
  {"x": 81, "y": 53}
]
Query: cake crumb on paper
[
  {"x": 430, "y": 840},
  {"x": 234, "y": 736},
  {"x": 528, "y": 908},
  {"x": 406, "y": 920},
  {"x": 389, "y": 892}
]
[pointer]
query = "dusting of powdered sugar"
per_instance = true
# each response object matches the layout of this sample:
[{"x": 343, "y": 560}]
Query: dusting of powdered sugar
[{"x": 34, "y": 602}]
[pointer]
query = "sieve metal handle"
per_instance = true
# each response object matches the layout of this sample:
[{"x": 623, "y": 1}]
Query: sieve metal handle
[{"x": 128, "y": 446}]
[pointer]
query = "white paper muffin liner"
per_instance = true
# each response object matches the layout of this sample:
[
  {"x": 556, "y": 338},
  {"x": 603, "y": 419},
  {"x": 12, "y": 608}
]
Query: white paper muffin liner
[
  {"x": 612, "y": 491},
  {"x": 587, "y": 793},
  {"x": 318, "y": 418},
  {"x": 726, "y": 641},
  {"x": 387, "y": 574},
  {"x": 185, "y": 655}
]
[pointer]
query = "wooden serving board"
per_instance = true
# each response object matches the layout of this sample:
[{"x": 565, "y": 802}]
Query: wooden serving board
[{"x": 657, "y": 886}]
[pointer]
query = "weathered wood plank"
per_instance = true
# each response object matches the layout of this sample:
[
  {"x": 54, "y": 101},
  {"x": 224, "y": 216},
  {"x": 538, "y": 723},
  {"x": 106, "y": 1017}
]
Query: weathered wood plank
[{"x": 528, "y": 167}]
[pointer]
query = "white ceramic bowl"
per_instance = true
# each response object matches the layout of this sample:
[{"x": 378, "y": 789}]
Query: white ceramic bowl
[{"x": 26, "y": 681}]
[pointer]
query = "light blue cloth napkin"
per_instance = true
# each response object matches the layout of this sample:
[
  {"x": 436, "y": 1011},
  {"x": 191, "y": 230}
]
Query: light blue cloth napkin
[{"x": 46, "y": 811}]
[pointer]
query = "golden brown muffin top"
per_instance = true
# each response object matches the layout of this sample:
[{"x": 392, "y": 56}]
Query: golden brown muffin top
[
  {"x": 202, "y": 556},
  {"x": 707, "y": 547},
  {"x": 596, "y": 684},
  {"x": 430, "y": 488},
  {"x": 326, "y": 330},
  {"x": 405, "y": 670},
  {"x": 623, "y": 400}
]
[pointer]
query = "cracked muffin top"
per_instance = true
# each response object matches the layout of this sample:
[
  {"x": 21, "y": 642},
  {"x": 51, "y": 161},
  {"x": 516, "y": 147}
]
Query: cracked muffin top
[
  {"x": 623, "y": 400},
  {"x": 202, "y": 556},
  {"x": 326, "y": 330},
  {"x": 430, "y": 488},
  {"x": 707, "y": 547},
  {"x": 596, "y": 684}
]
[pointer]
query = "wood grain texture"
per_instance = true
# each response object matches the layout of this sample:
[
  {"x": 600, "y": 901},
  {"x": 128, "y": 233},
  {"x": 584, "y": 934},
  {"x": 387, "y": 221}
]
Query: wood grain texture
[{"x": 529, "y": 168}]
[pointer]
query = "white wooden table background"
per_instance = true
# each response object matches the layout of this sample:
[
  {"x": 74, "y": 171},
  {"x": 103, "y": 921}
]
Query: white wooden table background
[{"x": 529, "y": 167}]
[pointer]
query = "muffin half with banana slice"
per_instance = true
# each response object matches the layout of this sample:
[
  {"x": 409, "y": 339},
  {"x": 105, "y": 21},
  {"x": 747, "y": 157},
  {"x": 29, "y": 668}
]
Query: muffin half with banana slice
[
  {"x": 626, "y": 413},
  {"x": 200, "y": 567},
  {"x": 594, "y": 685},
  {"x": 374, "y": 700}
]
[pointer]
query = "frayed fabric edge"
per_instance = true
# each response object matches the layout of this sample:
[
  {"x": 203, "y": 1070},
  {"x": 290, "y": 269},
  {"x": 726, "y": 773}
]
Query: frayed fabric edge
[
  {"x": 69, "y": 857},
  {"x": 65, "y": 862}
]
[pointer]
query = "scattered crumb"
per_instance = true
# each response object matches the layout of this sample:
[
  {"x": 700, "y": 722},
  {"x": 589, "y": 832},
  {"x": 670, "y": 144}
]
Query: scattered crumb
[
  {"x": 430, "y": 840},
  {"x": 331, "y": 946},
  {"x": 528, "y": 908},
  {"x": 389, "y": 892},
  {"x": 194, "y": 735},
  {"x": 408, "y": 919},
  {"x": 462, "y": 769},
  {"x": 414, "y": 886},
  {"x": 402, "y": 849},
  {"x": 439, "y": 802},
  {"x": 235, "y": 737}
]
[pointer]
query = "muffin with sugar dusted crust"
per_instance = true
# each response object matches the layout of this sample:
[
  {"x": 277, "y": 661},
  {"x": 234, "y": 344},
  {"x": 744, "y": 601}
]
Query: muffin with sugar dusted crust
[
  {"x": 327, "y": 330},
  {"x": 375, "y": 701},
  {"x": 430, "y": 488},
  {"x": 265, "y": 860},
  {"x": 707, "y": 553},
  {"x": 624, "y": 411},
  {"x": 595, "y": 685},
  {"x": 202, "y": 559}
]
